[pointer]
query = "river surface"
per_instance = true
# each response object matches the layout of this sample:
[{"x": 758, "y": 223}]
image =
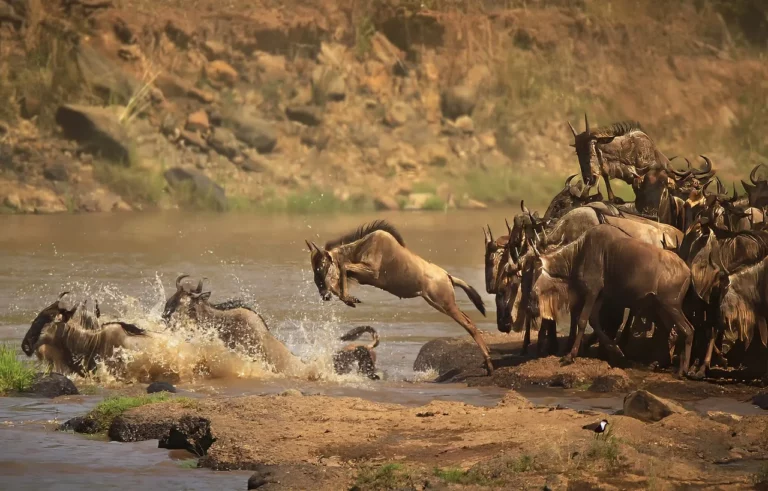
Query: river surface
[{"x": 120, "y": 258}]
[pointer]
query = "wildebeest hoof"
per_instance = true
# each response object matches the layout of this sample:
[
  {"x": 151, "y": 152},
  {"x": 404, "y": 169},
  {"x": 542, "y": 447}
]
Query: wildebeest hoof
[
  {"x": 566, "y": 360},
  {"x": 489, "y": 366},
  {"x": 351, "y": 301}
]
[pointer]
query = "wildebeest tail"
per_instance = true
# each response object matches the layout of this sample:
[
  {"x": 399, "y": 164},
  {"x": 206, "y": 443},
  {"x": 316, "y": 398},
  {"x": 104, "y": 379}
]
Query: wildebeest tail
[
  {"x": 359, "y": 331},
  {"x": 130, "y": 329},
  {"x": 471, "y": 293}
]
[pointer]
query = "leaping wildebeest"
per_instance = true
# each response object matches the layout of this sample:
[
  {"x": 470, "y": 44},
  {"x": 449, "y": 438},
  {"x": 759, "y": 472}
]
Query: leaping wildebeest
[
  {"x": 375, "y": 254},
  {"x": 606, "y": 265}
]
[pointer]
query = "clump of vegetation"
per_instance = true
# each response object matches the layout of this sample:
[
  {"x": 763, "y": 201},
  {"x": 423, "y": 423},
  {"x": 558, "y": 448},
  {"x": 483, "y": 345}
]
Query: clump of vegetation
[
  {"x": 190, "y": 197},
  {"x": 454, "y": 475},
  {"x": 434, "y": 203},
  {"x": 134, "y": 183},
  {"x": 605, "y": 449},
  {"x": 387, "y": 476},
  {"x": 112, "y": 407},
  {"x": 760, "y": 478},
  {"x": 15, "y": 375}
]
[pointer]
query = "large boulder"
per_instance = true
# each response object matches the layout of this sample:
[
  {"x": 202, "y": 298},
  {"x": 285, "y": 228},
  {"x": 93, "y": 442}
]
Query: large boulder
[
  {"x": 197, "y": 183},
  {"x": 52, "y": 385},
  {"x": 458, "y": 101},
  {"x": 96, "y": 129},
  {"x": 225, "y": 142},
  {"x": 253, "y": 131},
  {"x": 650, "y": 408}
]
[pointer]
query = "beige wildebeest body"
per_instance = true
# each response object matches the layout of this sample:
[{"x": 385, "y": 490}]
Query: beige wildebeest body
[{"x": 376, "y": 255}]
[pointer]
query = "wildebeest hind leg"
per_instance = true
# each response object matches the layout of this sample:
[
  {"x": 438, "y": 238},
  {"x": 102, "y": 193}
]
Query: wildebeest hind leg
[
  {"x": 583, "y": 316},
  {"x": 464, "y": 321},
  {"x": 598, "y": 313},
  {"x": 526, "y": 337},
  {"x": 674, "y": 319}
]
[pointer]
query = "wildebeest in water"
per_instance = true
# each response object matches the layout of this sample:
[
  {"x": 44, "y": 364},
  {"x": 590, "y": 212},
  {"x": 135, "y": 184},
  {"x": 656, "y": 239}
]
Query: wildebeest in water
[{"x": 375, "y": 254}]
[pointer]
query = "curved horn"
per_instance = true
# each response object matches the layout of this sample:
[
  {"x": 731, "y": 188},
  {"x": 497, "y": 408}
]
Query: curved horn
[
  {"x": 490, "y": 234},
  {"x": 63, "y": 294},
  {"x": 572, "y": 129},
  {"x": 509, "y": 229},
  {"x": 178, "y": 280},
  {"x": 735, "y": 194},
  {"x": 708, "y": 167},
  {"x": 683, "y": 174},
  {"x": 720, "y": 186},
  {"x": 485, "y": 236},
  {"x": 586, "y": 123},
  {"x": 568, "y": 181},
  {"x": 533, "y": 247},
  {"x": 199, "y": 288},
  {"x": 753, "y": 174},
  {"x": 524, "y": 208}
]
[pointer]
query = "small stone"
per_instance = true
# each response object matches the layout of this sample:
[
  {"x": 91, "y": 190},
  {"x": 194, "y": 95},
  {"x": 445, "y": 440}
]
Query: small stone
[
  {"x": 194, "y": 140},
  {"x": 201, "y": 95},
  {"x": 214, "y": 50},
  {"x": 398, "y": 114},
  {"x": 723, "y": 417},
  {"x": 308, "y": 115},
  {"x": 291, "y": 393},
  {"x": 761, "y": 400},
  {"x": 198, "y": 121},
  {"x": 224, "y": 141},
  {"x": 458, "y": 101},
  {"x": 487, "y": 140},
  {"x": 251, "y": 164},
  {"x": 465, "y": 124},
  {"x": 386, "y": 203},
  {"x": 221, "y": 73},
  {"x": 328, "y": 84},
  {"x": 13, "y": 201},
  {"x": 129, "y": 53},
  {"x": 648, "y": 407}
]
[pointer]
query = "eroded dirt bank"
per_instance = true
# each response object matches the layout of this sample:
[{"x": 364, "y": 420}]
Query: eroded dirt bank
[{"x": 318, "y": 442}]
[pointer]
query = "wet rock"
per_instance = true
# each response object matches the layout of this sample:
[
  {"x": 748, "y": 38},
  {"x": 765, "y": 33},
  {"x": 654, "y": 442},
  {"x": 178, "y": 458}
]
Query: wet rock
[
  {"x": 420, "y": 201},
  {"x": 761, "y": 400},
  {"x": 617, "y": 381},
  {"x": 96, "y": 129},
  {"x": 198, "y": 121},
  {"x": 190, "y": 433},
  {"x": 308, "y": 115},
  {"x": 52, "y": 385},
  {"x": 458, "y": 101},
  {"x": 101, "y": 200},
  {"x": 104, "y": 77},
  {"x": 126, "y": 429},
  {"x": 723, "y": 417},
  {"x": 200, "y": 185},
  {"x": 160, "y": 387},
  {"x": 647, "y": 407},
  {"x": 448, "y": 355},
  {"x": 328, "y": 85},
  {"x": 254, "y": 132},
  {"x": 13, "y": 202},
  {"x": 386, "y": 203},
  {"x": 473, "y": 204},
  {"x": 81, "y": 424},
  {"x": 220, "y": 74},
  {"x": 224, "y": 141}
]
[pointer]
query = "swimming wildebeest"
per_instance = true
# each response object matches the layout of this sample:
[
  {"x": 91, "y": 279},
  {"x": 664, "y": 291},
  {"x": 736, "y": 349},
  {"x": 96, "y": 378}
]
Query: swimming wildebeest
[
  {"x": 607, "y": 265},
  {"x": 239, "y": 327},
  {"x": 361, "y": 354},
  {"x": 375, "y": 254},
  {"x": 619, "y": 151},
  {"x": 57, "y": 311}
]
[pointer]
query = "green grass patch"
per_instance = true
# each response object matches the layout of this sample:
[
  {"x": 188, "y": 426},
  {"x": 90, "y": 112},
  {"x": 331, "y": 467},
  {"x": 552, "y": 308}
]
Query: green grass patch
[
  {"x": 314, "y": 201},
  {"x": 387, "y": 476},
  {"x": 112, "y": 407},
  {"x": 132, "y": 183},
  {"x": 189, "y": 197},
  {"x": 188, "y": 463},
  {"x": 434, "y": 203},
  {"x": 605, "y": 449},
  {"x": 454, "y": 475},
  {"x": 15, "y": 375},
  {"x": 504, "y": 185}
]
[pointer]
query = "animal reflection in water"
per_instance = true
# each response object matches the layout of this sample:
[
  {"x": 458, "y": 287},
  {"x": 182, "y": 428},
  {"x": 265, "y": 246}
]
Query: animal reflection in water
[
  {"x": 375, "y": 254},
  {"x": 74, "y": 340}
]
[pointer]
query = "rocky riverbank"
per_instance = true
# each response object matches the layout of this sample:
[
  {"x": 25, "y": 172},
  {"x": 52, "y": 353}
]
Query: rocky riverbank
[{"x": 320, "y": 106}]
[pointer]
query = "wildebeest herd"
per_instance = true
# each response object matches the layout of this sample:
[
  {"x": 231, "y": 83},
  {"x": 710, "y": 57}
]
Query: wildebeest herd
[{"x": 684, "y": 260}]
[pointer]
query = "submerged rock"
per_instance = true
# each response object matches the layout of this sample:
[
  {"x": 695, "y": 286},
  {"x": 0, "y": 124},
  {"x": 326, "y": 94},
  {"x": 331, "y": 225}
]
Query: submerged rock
[
  {"x": 761, "y": 400},
  {"x": 81, "y": 424},
  {"x": 160, "y": 387},
  {"x": 127, "y": 429},
  {"x": 650, "y": 408},
  {"x": 52, "y": 385},
  {"x": 191, "y": 433}
]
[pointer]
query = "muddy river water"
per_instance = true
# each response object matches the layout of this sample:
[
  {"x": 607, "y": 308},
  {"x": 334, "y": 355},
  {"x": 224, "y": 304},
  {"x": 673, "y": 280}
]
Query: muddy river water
[{"x": 121, "y": 259}]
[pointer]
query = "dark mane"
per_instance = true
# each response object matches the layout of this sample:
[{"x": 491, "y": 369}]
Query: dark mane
[
  {"x": 618, "y": 129},
  {"x": 364, "y": 230}
]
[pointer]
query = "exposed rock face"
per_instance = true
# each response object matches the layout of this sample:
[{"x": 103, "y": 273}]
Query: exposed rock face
[
  {"x": 197, "y": 183},
  {"x": 96, "y": 129},
  {"x": 190, "y": 433},
  {"x": 647, "y": 407},
  {"x": 127, "y": 429}
]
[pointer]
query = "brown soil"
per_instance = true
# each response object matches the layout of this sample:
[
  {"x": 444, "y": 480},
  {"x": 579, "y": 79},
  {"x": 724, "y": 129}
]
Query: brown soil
[
  {"x": 336, "y": 442},
  {"x": 351, "y": 98}
]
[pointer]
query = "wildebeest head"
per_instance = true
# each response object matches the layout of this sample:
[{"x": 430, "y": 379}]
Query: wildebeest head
[
  {"x": 325, "y": 271},
  {"x": 571, "y": 196},
  {"x": 494, "y": 250},
  {"x": 56, "y": 312},
  {"x": 184, "y": 298},
  {"x": 588, "y": 151},
  {"x": 758, "y": 190}
]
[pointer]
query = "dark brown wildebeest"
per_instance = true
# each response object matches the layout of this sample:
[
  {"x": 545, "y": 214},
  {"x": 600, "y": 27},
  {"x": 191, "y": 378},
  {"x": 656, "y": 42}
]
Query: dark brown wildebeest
[
  {"x": 744, "y": 304},
  {"x": 54, "y": 312},
  {"x": 758, "y": 190},
  {"x": 375, "y": 254},
  {"x": 361, "y": 354},
  {"x": 619, "y": 151},
  {"x": 606, "y": 265},
  {"x": 494, "y": 248},
  {"x": 572, "y": 196}
]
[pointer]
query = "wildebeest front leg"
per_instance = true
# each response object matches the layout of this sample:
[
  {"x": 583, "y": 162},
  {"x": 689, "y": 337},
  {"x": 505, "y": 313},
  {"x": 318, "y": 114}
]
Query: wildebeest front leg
[
  {"x": 583, "y": 317},
  {"x": 702, "y": 372},
  {"x": 526, "y": 337},
  {"x": 343, "y": 295}
]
